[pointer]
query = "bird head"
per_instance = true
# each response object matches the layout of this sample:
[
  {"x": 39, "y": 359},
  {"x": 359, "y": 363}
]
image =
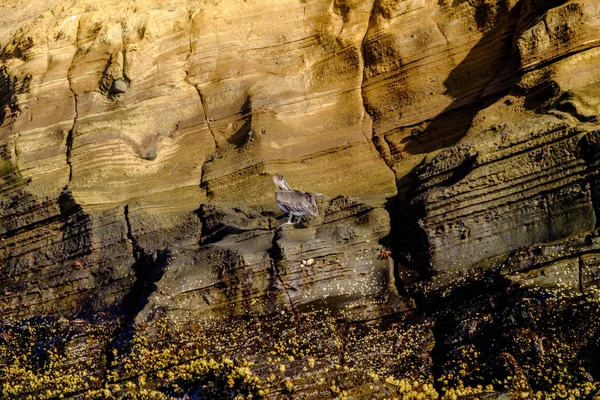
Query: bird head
[{"x": 280, "y": 182}]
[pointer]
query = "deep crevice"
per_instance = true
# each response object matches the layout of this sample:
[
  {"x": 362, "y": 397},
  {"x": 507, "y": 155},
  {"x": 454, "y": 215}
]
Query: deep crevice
[
  {"x": 202, "y": 102},
  {"x": 8, "y": 91},
  {"x": 274, "y": 257},
  {"x": 69, "y": 145},
  {"x": 391, "y": 204},
  {"x": 362, "y": 81},
  {"x": 72, "y": 131},
  {"x": 208, "y": 125},
  {"x": 148, "y": 269}
]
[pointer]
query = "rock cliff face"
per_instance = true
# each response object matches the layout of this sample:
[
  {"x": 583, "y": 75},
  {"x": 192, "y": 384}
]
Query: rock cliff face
[{"x": 456, "y": 147}]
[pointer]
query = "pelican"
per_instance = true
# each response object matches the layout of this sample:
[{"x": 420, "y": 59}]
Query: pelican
[{"x": 294, "y": 202}]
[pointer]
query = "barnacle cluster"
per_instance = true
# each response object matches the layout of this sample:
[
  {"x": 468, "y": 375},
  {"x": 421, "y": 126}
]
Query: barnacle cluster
[
  {"x": 48, "y": 358},
  {"x": 493, "y": 335},
  {"x": 40, "y": 361},
  {"x": 65, "y": 358},
  {"x": 484, "y": 337}
]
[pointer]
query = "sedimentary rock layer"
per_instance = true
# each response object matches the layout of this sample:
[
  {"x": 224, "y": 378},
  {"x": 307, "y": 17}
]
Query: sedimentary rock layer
[
  {"x": 514, "y": 189},
  {"x": 156, "y": 110},
  {"x": 246, "y": 268},
  {"x": 137, "y": 144}
]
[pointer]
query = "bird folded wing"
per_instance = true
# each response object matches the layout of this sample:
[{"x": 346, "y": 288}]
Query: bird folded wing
[{"x": 297, "y": 201}]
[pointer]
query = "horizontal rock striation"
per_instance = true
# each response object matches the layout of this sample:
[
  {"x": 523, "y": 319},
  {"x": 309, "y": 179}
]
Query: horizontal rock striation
[
  {"x": 157, "y": 110},
  {"x": 140, "y": 253},
  {"x": 65, "y": 262},
  {"x": 244, "y": 267},
  {"x": 523, "y": 173},
  {"x": 427, "y": 67},
  {"x": 248, "y": 291},
  {"x": 283, "y": 95},
  {"x": 484, "y": 199}
]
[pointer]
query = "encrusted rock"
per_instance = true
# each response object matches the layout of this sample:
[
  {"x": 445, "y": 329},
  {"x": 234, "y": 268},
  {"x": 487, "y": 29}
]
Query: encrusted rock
[
  {"x": 147, "y": 220},
  {"x": 245, "y": 267}
]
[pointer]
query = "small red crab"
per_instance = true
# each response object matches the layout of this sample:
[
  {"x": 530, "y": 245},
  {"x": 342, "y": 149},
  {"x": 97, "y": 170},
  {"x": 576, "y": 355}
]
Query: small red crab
[
  {"x": 190, "y": 345},
  {"x": 385, "y": 253}
]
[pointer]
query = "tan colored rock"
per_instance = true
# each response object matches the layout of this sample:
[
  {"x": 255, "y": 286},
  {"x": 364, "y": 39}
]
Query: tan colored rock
[
  {"x": 427, "y": 65},
  {"x": 72, "y": 262},
  {"x": 121, "y": 125},
  {"x": 524, "y": 172},
  {"x": 569, "y": 28},
  {"x": 159, "y": 121},
  {"x": 216, "y": 100},
  {"x": 282, "y": 95},
  {"x": 156, "y": 128},
  {"x": 512, "y": 188}
]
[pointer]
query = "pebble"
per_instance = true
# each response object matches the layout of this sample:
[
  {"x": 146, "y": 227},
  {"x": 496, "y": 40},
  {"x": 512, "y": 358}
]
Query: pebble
[{"x": 119, "y": 86}]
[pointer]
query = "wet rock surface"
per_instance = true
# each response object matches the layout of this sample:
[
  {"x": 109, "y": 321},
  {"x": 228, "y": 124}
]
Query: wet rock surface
[
  {"x": 140, "y": 249},
  {"x": 308, "y": 310},
  {"x": 243, "y": 267}
]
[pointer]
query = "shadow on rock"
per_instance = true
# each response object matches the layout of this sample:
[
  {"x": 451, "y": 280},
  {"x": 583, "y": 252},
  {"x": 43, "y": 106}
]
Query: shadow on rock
[
  {"x": 467, "y": 83},
  {"x": 148, "y": 269},
  {"x": 497, "y": 334}
]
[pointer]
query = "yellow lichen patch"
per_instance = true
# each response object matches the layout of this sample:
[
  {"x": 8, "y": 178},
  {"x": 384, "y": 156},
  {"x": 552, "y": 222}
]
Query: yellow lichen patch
[
  {"x": 48, "y": 358},
  {"x": 303, "y": 357}
]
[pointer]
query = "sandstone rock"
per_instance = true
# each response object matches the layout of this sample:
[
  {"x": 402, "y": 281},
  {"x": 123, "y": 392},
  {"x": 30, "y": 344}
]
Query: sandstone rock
[
  {"x": 136, "y": 147},
  {"x": 572, "y": 21},
  {"x": 72, "y": 262},
  {"x": 347, "y": 275},
  {"x": 427, "y": 66},
  {"x": 151, "y": 147},
  {"x": 303, "y": 90},
  {"x": 244, "y": 267},
  {"x": 495, "y": 190},
  {"x": 568, "y": 265}
]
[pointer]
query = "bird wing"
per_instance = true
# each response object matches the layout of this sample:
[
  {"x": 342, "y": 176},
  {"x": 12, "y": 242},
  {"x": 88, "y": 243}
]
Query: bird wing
[{"x": 297, "y": 201}]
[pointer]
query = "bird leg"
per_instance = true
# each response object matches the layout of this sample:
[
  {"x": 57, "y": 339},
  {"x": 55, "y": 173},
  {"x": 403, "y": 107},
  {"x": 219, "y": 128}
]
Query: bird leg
[{"x": 289, "y": 221}]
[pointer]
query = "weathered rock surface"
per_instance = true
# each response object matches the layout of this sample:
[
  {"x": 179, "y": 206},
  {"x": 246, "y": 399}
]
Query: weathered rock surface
[
  {"x": 248, "y": 292},
  {"x": 59, "y": 260},
  {"x": 525, "y": 171},
  {"x": 465, "y": 213},
  {"x": 244, "y": 267},
  {"x": 427, "y": 67},
  {"x": 154, "y": 110},
  {"x": 139, "y": 250}
]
